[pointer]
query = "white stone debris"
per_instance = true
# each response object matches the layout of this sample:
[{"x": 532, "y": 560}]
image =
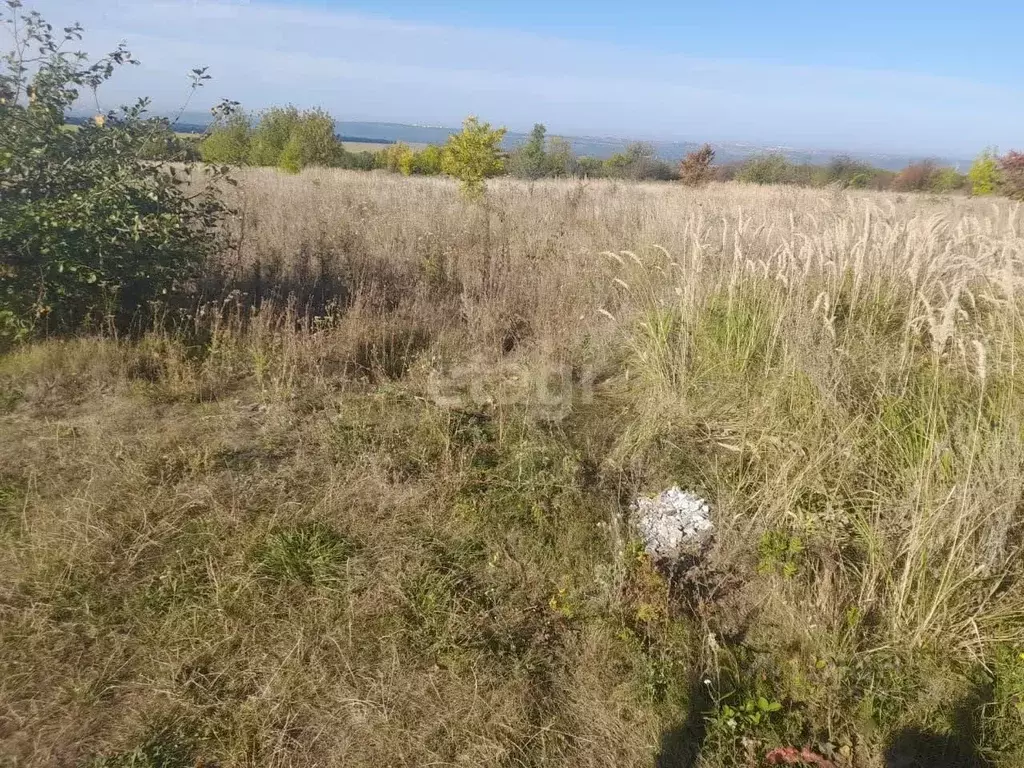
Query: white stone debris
[{"x": 672, "y": 521}]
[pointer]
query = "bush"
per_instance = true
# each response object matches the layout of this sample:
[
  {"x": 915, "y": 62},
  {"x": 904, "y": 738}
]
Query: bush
[
  {"x": 357, "y": 161},
  {"x": 164, "y": 144},
  {"x": 312, "y": 143},
  {"x": 637, "y": 163},
  {"x": 427, "y": 162},
  {"x": 696, "y": 168},
  {"x": 916, "y": 177},
  {"x": 946, "y": 180},
  {"x": 591, "y": 167},
  {"x": 848, "y": 173},
  {"x": 284, "y": 137},
  {"x": 765, "y": 169},
  {"x": 227, "y": 140},
  {"x": 397, "y": 158},
  {"x": 474, "y": 155},
  {"x": 1012, "y": 169},
  {"x": 89, "y": 229},
  {"x": 272, "y": 134},
  {"x": 984, "y": 174},
  {"x": 561, "y": 161}
]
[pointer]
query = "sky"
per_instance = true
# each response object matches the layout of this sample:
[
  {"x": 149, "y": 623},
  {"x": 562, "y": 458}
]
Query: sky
[{"x": 903, "y": 76}]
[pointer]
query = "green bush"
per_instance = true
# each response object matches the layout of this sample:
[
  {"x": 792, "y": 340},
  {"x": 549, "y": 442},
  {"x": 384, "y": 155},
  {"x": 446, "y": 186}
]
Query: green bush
[
  {"x": 637, "y": 163},
  {"x": 427, "y": 162},
  {"x": 357, "y": 161},
  {"x": 766, "y": 169},
  {"x": 272, "y": 134},
  {"x": 89, "y": 229},
  {"x": 284, "y": 137},
  {"x": 312, "y": 143},
  {"x": 228, "y": 139},
  {"x": 946, "y": 180},
  {"x": 397, "y": 158}
]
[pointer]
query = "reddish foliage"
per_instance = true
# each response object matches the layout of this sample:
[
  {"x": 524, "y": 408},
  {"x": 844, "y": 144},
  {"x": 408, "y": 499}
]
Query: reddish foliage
[
  {"x": 916, "y": 177},
  {"x": 1012, "y": 166},
  {"x": 696, "y": 170},
  {"x": 793, "y": 756}
]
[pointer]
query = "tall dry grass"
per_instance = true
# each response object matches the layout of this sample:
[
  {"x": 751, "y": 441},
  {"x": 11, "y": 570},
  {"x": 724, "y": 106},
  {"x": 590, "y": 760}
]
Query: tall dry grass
[{"x": 393, "y": 454}]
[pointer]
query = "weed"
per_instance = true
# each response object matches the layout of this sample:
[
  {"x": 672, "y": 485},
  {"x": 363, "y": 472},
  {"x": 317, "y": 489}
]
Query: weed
[{"x": 311, "y": 554}]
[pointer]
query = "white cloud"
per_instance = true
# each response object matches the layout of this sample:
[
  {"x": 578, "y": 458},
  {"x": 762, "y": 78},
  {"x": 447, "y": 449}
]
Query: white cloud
[{"x": 363, "y": 67}]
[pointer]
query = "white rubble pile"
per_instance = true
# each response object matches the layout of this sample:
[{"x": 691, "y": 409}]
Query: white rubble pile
[{"x": 672, "y": 521}]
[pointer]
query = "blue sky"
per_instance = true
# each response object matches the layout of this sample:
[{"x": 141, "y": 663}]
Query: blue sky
[{"x": 903, "y": 76}]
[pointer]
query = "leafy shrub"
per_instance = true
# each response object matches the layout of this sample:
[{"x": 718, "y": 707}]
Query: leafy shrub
[
  {"x": 1012, "y": 168},
  {"x": 846, "y": 172},
  {"x": 916, "y": 177},
  {"x": 427, "y": 162},
  {"x": 637, "y": 163},
  {"x": 284, "y": 137},
  {"x": 272, "y": 134},
  {"x": 312, "y": 143},
  {"x": 561, "y": 161},
  {"x": 591, "y": 167},
  {"x": 984, "y": 174},
  {"x": 227, "y": 140},
  {"x": 164, "y": 144},
  {"x": 474, "y": 155},
  {"x": 696, "y": 168},
  {"x": 946, "y": 180},
  {"x": 765, "y": 169},
  {"x": 357, "y": 161},
  {"x": 88, "y": 228},
  {"x": 397, "y": 158}
]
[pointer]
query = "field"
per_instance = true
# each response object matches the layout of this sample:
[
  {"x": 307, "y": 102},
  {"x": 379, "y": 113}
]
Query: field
[
  {"x": 368, "y": 503},
  {"x": 373, "y": 146}
]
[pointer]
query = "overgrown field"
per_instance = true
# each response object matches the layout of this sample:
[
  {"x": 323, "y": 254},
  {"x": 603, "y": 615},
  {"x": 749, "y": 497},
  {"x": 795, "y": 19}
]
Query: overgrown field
[{"x": 367, "y": 503}]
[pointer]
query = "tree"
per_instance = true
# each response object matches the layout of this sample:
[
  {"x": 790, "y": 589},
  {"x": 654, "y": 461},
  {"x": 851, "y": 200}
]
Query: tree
[
  {"x": 561, "y": 161},
  {"x": 529, "y": 160},
  {"x": 89, "y": 230},
  {"x": 1011, "y": 167},
  {"x": 696, "y": 168},
  {"x": 984, "y": 174},
  {"x": 474, "y": 155}
]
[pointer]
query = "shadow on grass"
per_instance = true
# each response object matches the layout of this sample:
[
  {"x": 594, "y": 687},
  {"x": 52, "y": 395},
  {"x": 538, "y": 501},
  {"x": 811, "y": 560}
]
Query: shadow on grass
[
  {"x": 910, "y": 748},
  {"x": 681, "y": 746},
  {"x": 920, "y": 748}
]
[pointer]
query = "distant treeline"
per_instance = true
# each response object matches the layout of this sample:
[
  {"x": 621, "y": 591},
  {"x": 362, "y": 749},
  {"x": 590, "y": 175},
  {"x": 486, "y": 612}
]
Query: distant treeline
[{"x": 293, "y": 139}]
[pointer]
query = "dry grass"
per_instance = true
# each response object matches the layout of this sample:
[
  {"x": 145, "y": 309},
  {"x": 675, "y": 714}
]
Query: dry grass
[{"x": 369, "y": 508}]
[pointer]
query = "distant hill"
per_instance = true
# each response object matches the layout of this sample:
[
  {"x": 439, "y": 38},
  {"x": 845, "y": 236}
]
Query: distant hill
[{"x": 593, "y": 146}]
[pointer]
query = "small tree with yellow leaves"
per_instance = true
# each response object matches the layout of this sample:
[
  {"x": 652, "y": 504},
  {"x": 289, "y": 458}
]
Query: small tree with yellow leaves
[{"x": 473, "y": 156}]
